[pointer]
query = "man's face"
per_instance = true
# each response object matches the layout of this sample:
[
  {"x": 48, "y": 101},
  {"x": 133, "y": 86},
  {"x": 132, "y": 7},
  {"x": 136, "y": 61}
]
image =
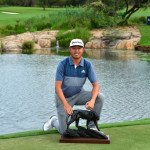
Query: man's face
[{"x": 76, "y": 51}]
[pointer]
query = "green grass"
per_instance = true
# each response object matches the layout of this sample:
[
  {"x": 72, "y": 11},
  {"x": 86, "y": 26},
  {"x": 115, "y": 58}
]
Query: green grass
[
  {"x": 34, "y": 18},
  {"x": 141, "y": 12},
  {"x": 101, "y": 126},
  {"x": 145, "y": 35},
  {"x": 133, "y": 135},
  {"x": 25, "y": 13},
  {"x": 29, "y": 12}
]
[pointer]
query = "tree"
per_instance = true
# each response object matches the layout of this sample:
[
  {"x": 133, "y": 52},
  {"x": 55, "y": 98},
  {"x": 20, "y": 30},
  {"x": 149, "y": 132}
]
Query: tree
[
  {"x": 136, "y": 5},
  {"x": 112, "y": 7},
  {"x": 43, "y": 3},
  {"x": 1, "y": 2}
]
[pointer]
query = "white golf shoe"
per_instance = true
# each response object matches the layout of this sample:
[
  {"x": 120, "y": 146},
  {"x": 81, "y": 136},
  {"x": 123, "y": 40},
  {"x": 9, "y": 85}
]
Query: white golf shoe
[{"x": 49, "y": 124}]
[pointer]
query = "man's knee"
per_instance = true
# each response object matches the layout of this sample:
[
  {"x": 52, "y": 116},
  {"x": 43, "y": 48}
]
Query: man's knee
[{"x": 100, "y": 98}]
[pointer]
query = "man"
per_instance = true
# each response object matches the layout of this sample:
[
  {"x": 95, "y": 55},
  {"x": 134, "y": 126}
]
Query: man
[{"x": 71, "y": 75}]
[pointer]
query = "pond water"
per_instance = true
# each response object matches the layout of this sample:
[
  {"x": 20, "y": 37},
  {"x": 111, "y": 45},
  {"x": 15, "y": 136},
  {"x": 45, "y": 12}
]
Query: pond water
[{"x": 27, "y": 87}]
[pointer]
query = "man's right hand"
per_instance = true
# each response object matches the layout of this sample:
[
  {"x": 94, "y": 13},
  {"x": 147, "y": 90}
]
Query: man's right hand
[{"x": 68, "y": 109}]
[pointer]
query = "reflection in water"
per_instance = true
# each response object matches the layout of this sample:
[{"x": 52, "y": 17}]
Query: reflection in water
[
  {"x": 93, "y": 53},
  {"x": 27, "y": 84},
  {"x": 114, "y": 54}
]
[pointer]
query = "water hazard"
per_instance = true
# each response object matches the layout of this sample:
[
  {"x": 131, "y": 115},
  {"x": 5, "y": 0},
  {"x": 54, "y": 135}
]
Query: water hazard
[{"x": 27, "y": 87}]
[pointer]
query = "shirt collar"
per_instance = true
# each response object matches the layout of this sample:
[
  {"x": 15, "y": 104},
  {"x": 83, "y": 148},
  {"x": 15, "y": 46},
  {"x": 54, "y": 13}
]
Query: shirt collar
[{"x": 81, "y": 63}]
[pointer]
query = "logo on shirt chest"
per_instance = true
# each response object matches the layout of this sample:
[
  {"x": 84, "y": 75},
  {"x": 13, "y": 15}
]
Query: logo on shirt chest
[{"x": 83, "y": 71}]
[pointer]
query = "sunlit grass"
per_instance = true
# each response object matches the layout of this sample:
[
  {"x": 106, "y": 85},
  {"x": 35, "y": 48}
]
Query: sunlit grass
[
  {"x": 145, "y": 35},
  {"x": 24, "y": 13}
]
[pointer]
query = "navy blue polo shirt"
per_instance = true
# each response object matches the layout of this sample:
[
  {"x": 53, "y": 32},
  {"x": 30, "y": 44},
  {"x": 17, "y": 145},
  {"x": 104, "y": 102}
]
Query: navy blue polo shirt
[{"x": 74, "y": 78}]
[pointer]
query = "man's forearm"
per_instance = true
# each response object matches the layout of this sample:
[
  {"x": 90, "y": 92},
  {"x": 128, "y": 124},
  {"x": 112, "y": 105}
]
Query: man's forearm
[
  {"x": 68, "y": 109},
  {"x": 95, "y": 92},
  {"x": 61, "y": 96}
]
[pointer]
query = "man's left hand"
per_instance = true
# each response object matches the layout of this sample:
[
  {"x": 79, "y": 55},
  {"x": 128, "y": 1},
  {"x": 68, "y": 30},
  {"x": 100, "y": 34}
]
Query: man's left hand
[{"x": 90, "y": 105}]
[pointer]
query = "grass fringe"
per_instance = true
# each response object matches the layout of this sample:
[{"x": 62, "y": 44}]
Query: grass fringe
[{"x": 53, "y": 131}]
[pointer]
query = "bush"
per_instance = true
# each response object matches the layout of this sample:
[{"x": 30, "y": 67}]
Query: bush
[
  {"x": 27, "y": 47},
  {"x": 2, "y": 46},
  {"x": 9, "y": 27},
  {"x": 20, "y": 29},
  {"x": 80, "y": 33}
]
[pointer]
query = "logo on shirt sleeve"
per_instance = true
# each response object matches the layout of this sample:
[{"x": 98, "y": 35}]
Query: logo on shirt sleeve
[{"x": 83, "y": 71}]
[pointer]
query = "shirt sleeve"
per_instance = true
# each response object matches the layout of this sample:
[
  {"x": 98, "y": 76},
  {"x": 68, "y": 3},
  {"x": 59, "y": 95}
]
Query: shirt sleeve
[
  {"x": 91, "y": 74},
  {"x": 60, "y": 72}
]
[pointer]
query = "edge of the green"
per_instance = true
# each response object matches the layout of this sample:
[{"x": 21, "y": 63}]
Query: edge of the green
[{"x": 53, "y": 131}]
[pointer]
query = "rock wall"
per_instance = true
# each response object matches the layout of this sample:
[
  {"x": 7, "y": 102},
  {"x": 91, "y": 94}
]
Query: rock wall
[
  {"x": 124, "y": 38},
  {"x": 41, "y": 39}
]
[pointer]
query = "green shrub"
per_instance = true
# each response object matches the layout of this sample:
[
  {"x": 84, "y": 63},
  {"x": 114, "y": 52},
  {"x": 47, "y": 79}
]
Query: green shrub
[
  {"x": 20, "y": 28},
  {"x": 9, "y": 27},
  {"x": 27, "y": 47},
  {"x": 2, "y": 46},
  {"x": 65, "y": 38}
]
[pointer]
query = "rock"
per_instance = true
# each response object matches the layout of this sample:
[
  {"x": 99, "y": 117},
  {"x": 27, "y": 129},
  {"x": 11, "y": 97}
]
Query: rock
[
  {"x": 10, "y": 38},
  {"x": 88, "y": 45},
  {"x": 11, "y": 45},
  {"x": 97, "y": 33},
  {"x": 35, "y": 38},
  {"x": 42, "y": 39},
  {"x": 125, "y": 45},
  {"x": 25, "y": 37},
  {"x": 124, "y": 38},
  {"x": 44, "y": 43},
  {"x": 130, "y": 45},
  {"x": 96, "y": 44},
  {"x": 36, "y": 46}
]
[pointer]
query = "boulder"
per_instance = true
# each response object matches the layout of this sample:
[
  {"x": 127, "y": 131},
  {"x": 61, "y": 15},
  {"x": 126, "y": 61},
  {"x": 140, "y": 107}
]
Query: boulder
[
  {"x": 25, "y": 37},
  {"x": 125, "y": 45},
  {"x": 88, "y": 45},
  {"x": 12, "y": 45},
  {"x": 36, "y": 46},
  {"x": 44, "y": 43},
  {"x": 124, "y": 38}
]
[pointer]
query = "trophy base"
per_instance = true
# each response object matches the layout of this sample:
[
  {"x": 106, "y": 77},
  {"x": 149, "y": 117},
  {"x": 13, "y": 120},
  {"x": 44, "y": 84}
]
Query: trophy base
[{"x": 84, "y": 140}]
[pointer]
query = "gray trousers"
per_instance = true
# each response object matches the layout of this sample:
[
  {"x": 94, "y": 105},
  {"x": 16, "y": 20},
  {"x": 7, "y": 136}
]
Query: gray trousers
[{"x": 80, "y": 98}]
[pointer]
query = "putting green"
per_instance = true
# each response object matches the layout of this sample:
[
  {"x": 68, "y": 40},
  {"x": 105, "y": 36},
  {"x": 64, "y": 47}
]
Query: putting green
[
  {"x": 129, "y": 135},
  {"x": 134, "y": 137}
]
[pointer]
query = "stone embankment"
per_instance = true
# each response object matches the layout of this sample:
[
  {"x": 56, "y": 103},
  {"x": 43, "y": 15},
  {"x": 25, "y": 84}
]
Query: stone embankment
[
  {"x": 125, "y": 38},
  {"x": 41, "y": 39}
]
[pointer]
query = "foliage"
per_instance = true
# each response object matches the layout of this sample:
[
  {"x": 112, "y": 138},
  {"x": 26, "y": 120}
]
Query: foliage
[
  {"x": 19, "y": 28},
  {"x": 81, "y": 33},
  {"x": 43, "y": 3},
  {"x": 2, "y": 46},
  {"x": 112, "y": 7},
  {"x": 69, "y": 18},
  {"x": 27, "y": 47},
  {"x": 18, "y": 2}
]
